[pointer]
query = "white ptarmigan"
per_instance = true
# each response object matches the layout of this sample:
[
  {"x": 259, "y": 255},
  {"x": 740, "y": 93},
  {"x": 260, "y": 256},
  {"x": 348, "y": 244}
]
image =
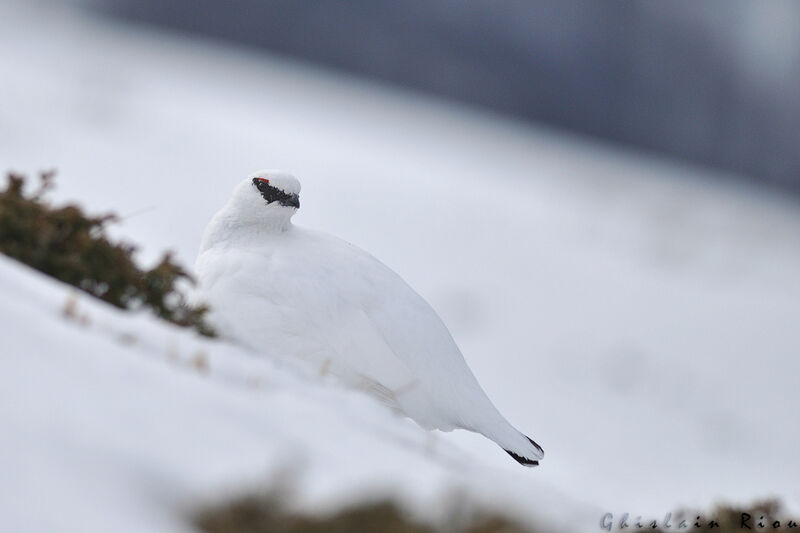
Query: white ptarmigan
[{"x": 308, "y": 295}]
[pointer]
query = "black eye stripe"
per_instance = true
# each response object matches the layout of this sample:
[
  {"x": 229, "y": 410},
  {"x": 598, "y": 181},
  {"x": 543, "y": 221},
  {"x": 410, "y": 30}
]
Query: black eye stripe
[{"x": 273, "y": 194}]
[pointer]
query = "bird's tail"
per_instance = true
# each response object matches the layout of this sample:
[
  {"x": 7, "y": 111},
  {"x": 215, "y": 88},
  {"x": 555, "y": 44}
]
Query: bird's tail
[{"x": 528, "y": 454}]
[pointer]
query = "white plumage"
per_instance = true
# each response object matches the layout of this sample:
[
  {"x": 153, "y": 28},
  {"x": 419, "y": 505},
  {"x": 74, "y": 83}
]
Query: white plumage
[{"x": 303, "y": 294}]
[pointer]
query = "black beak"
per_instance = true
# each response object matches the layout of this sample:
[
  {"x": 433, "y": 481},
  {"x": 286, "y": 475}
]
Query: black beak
[{"x": 292, "y": 201}]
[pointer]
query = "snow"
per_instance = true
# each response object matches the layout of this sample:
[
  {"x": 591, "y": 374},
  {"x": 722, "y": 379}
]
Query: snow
[
  {"x": 637, "y": 316},
  {"x": 117, "y": 422}
]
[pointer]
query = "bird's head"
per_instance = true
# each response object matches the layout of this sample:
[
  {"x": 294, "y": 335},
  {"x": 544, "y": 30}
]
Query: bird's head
[
  {"x": 276, "y": 188},
  {"x": 265, "y": 199}
]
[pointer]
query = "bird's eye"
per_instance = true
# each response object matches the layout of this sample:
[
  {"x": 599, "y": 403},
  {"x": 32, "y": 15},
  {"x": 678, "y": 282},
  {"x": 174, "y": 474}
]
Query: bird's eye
[{"x": 262, "y": 184}]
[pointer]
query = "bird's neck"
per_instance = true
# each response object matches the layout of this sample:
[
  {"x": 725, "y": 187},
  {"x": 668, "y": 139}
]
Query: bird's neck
[
  {"x": 271, "y": 223},
  {"x": 232, "y": 230}
]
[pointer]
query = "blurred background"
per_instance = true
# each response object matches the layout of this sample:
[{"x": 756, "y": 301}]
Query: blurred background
[
  {"x": 598, "y": 197},
  {"x": 714, "y": 83}
]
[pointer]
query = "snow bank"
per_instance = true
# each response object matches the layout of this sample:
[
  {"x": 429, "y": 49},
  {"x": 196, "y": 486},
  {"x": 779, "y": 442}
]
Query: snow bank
[{"x": 119, "y": 422}]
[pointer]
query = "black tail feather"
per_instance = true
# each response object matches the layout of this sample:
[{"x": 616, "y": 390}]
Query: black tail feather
[
  {"x": 536, "y": 445},
  {"x": 524, "y": 461}
]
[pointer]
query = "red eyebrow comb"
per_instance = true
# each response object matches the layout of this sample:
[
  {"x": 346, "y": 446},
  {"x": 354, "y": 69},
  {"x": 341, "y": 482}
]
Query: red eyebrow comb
[{"x": 265, "y": 180}]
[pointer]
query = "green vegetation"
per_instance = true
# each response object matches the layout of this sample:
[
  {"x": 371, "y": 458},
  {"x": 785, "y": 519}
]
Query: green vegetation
[
  {"x": 253, "y": 514},
  {"x": 71, "y": 246},
  {"x": 265, "y": 513}
]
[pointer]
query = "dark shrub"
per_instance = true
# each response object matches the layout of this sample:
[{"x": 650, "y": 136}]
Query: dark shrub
[
  {"x": 73, "y": 247},
  {"x": 265, "y": 513}
]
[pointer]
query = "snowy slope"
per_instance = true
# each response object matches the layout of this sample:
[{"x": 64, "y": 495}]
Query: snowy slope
[
  {"x": 118, "y": 422},
  {"x": 637, "y": 318}
]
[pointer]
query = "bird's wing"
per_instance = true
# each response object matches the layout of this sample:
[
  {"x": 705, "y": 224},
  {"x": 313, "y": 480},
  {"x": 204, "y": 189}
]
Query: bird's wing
[{"x": 411, "y": 351}]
